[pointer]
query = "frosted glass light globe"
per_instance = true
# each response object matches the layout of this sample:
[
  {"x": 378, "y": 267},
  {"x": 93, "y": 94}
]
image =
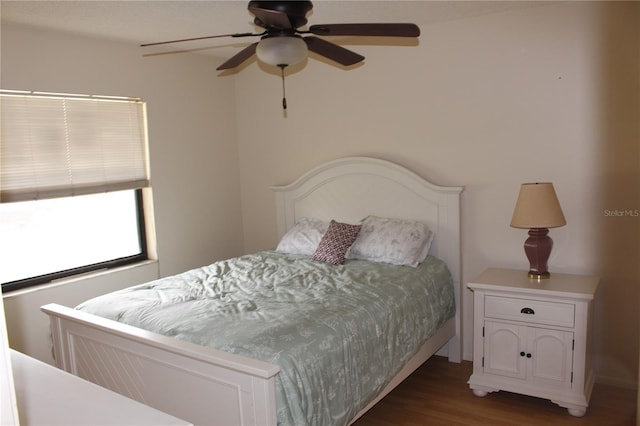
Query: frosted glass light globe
[{"x": 281, "y": 50}]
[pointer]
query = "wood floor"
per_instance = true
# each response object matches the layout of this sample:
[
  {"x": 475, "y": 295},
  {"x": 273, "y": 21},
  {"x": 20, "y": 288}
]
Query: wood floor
[{"x": 437, "y": 394}]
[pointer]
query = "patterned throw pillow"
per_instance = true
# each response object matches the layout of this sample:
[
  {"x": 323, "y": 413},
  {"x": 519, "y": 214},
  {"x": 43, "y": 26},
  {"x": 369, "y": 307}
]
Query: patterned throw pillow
[{"x": 335, "y": 242}]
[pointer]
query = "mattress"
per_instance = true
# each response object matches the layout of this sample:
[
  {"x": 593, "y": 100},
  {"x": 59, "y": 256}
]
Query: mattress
[{"x": 338, "y": 333}]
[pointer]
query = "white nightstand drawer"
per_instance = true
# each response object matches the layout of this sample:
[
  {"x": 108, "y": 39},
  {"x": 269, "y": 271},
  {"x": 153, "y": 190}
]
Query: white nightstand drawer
[{"x": 531, "y": 311}]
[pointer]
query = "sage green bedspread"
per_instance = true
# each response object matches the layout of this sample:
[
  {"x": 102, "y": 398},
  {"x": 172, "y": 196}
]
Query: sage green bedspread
[{"x": 338, "y": 333}]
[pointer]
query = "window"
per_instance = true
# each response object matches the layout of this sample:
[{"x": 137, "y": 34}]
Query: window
[
  {"x": 71, "y": 168},
  {"x": 55, "y": 238}
]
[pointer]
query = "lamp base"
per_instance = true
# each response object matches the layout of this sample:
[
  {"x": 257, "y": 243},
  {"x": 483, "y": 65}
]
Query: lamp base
[
  {"x": 539, "y": 275},
  {"x": 538, "y": 248}
]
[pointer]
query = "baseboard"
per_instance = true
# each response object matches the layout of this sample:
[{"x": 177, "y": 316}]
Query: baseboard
[{"x": 617, "y": 382}]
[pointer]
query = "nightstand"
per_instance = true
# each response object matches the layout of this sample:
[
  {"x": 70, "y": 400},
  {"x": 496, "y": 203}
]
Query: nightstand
[{"x": 533, "y": 336}]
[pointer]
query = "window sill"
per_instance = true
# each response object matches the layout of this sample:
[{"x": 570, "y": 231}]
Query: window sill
[{"x": 149, "y": 269}]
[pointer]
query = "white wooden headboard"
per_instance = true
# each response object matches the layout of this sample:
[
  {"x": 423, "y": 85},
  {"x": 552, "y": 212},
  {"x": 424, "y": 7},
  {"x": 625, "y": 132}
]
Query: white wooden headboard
[{"x": 349, "y": 189}]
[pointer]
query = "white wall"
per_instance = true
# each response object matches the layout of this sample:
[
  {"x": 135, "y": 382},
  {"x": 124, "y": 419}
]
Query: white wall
[
  {"x": 547, "y": 93},
  {"x": 194, "y": 161}
]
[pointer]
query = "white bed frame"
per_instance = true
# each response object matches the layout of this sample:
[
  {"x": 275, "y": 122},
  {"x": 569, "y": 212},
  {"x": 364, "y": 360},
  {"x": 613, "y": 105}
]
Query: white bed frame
[{"x": 208, "y": 386}]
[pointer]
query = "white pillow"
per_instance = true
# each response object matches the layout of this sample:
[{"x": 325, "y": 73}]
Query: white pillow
[
  {"x": 395, "y": 241},
  {"x": 303, "y": 237}
]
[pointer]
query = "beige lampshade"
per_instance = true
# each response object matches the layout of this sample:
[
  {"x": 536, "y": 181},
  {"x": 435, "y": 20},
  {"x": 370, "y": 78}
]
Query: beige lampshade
[{"x": 537, "y": 207}]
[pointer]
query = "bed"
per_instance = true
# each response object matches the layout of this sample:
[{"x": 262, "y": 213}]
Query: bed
[{"x": 178, "y": 372}]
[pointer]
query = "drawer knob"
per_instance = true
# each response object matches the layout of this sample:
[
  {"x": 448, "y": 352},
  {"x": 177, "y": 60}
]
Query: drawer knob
[{"x": 527, "y": 311}]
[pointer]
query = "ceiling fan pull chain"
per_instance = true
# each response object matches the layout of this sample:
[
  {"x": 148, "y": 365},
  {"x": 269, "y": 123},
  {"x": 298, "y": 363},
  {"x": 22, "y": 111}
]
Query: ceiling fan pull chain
[{"x": 284, "y": 96}]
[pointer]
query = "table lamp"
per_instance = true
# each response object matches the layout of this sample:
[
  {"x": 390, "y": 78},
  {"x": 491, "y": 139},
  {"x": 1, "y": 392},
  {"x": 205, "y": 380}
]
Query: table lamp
[{"x": 538, "y": 209}]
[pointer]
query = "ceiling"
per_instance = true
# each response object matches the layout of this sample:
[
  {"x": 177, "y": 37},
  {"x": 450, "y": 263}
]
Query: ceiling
[{"x": 146, "y": 21}]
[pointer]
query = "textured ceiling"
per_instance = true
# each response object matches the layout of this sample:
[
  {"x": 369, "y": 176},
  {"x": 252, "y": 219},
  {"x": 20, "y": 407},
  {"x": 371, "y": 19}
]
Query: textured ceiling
[{"x": 151, "y": 20}]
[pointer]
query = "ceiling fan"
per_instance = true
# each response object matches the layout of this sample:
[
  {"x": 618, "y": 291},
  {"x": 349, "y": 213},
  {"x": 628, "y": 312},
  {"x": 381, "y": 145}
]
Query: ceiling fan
[{"x": 282, "y": 42}]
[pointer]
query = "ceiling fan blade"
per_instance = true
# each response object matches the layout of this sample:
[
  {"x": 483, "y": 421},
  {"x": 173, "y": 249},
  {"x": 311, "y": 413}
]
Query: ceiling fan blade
[
  {"x": 270, "y": 18},
  {"x": 382, "y": 30},
  {"x": 239, "y": 57},
  {"x": 201, "y": 38},
  {"x": 332, "y": 51}
]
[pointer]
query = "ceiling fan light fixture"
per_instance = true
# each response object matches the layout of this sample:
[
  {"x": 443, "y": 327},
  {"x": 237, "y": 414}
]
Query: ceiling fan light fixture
[{"x": 281, "y": 51}]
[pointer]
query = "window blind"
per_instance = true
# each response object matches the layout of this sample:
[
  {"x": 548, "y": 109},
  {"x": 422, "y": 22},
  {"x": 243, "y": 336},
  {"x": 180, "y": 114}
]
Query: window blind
[{"x": 55, "y": 145}]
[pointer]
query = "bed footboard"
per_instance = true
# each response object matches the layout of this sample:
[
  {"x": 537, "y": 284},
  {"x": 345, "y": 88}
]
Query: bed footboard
[{"x": 197, "y": 384}]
